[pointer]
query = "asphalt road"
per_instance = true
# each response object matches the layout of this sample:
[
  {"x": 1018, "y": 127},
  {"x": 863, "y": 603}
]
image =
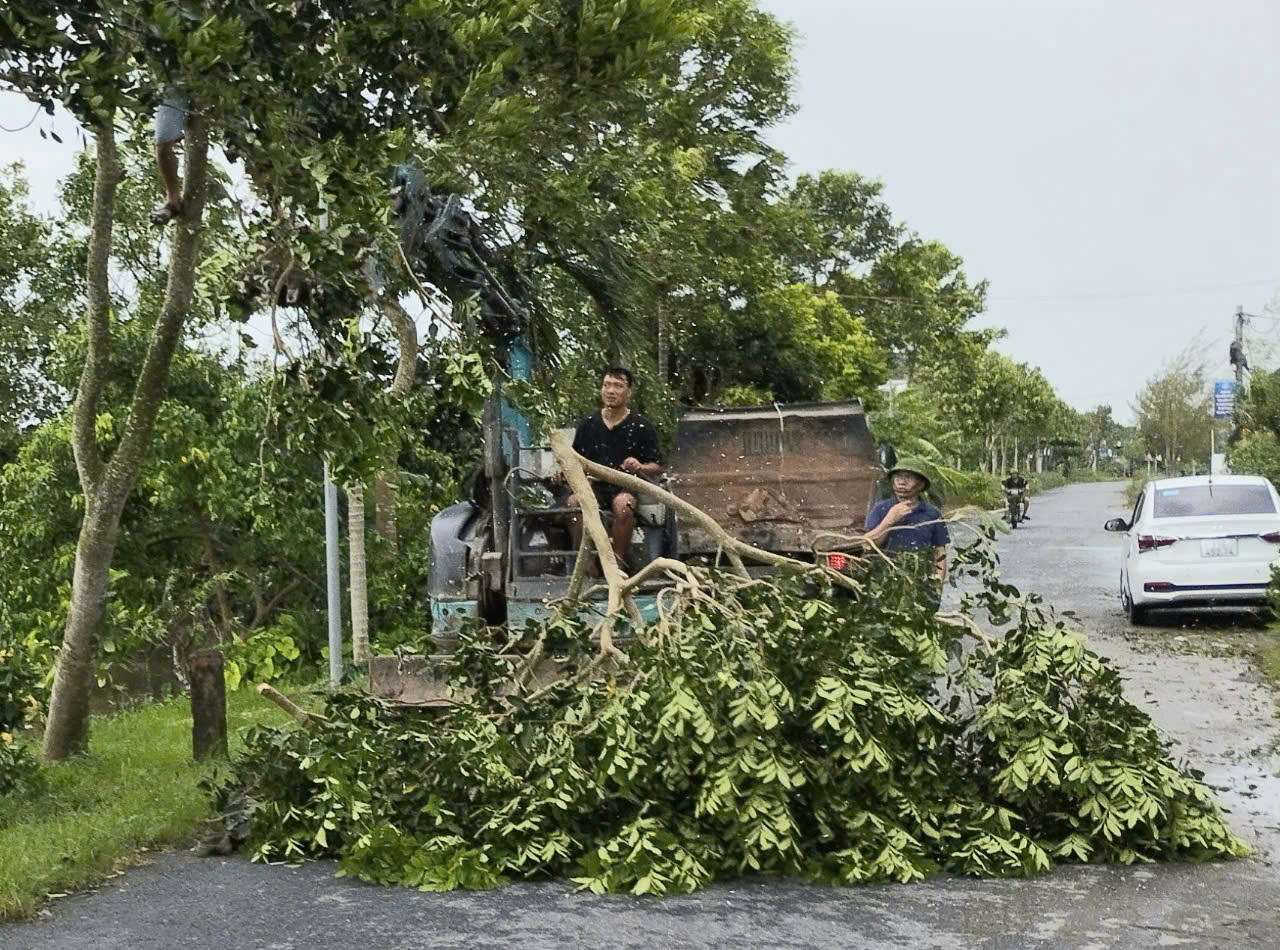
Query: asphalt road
[{"x": 1215, "y": 708}]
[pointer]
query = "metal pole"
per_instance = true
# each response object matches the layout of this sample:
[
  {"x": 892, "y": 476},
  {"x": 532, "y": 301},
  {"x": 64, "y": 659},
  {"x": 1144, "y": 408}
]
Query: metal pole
[{"x": 334, "y": 580}]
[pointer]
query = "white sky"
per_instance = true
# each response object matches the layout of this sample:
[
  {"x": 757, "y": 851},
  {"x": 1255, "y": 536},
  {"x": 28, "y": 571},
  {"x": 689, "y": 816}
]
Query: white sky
[{"x": 1111, "y": 166}]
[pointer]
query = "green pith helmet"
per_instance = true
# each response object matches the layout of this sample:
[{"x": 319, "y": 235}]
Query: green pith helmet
[{"x": 916, "y": 466}]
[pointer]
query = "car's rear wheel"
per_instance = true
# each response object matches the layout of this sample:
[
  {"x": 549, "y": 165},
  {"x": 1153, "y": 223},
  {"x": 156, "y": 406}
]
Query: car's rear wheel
[{"x": 1137, "y": 615}]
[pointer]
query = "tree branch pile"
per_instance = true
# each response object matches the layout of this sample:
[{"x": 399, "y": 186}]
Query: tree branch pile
[{"x": 787, "y": 725}]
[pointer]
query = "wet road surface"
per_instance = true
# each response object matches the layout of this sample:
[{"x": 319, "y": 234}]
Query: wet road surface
[{"x": 1216, "y": 708}]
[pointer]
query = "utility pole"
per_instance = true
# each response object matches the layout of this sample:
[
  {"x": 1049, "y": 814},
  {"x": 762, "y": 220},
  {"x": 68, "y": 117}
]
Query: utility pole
[
  {"x": 1239, "y": 350},
  {"x": 333, "y": 579}
]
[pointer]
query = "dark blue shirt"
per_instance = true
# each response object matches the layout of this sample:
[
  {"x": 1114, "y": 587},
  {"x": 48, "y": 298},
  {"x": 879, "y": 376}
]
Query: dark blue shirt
[{"x": 912, "y": 533}]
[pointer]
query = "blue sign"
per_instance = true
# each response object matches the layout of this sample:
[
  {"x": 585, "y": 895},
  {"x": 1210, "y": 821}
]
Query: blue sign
[{"x": 1224, "y": 398}]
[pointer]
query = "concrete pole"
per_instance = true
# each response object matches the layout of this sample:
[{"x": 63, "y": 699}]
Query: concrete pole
[
  {"x": 1240, "y": 350},
  {"x": 333, "y": 578}
]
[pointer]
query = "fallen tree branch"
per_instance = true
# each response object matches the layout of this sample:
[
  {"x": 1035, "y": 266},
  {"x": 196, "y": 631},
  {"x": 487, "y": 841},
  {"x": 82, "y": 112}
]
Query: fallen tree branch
[
  {"x": 734, "y": 549},
  {"x": 633, "y": 610},
  {"x": 267, "y": 691},
  {"x": 593, "y": 527},
  {"x": 579, "y": 568},
  {"x": 653, "y": 567},
  {"x": 526, "y": 669},
  {"x": 955, "y": 618}
]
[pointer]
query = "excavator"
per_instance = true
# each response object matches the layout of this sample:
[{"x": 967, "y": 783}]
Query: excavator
[{"x": 779, "y": 477}]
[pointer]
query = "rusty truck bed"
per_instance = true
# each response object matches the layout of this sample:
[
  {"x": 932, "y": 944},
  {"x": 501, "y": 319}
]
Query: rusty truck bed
[{"x": 776, "y": 476}]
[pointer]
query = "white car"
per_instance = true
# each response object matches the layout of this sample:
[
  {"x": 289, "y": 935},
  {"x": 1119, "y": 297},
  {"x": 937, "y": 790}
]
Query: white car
[{"x": 1203, "y": 541}]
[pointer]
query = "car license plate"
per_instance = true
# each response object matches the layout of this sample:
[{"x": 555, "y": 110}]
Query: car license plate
[{"x": 1219, "y": 547}]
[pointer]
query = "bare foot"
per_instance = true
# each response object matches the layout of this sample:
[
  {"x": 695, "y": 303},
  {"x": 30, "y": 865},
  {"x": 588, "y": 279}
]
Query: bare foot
[{"x": 165, "y": 213}]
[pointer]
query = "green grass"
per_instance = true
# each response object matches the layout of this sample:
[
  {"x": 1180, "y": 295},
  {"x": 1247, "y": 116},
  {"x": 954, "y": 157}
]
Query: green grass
[
  {"x": 135, "y": 789},
  {"x": 1270, "y": 661}
]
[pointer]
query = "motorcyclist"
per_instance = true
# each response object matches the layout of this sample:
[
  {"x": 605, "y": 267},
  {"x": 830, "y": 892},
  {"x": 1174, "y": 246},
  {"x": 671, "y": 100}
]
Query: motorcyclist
[{"x": 1014, "y": 482}]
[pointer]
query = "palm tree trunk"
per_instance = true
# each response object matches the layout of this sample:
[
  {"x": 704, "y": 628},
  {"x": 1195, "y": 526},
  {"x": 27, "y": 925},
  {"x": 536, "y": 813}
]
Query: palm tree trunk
[{"x": 359, "y": 584}]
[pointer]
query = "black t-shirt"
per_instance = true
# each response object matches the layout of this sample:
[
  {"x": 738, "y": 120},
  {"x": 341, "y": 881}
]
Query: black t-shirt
[
  {"x": 633, "y": 436},
  {"x": 1015, "y": 481}
]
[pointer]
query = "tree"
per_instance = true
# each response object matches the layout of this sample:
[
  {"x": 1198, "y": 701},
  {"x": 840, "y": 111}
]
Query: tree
[
  {"x": 505, "y": 91},
  {"x": 1258, "y": 453},
  {"x": 914, "y": 415},
  {"x": 1039, "y": 417},
  {"x": 788, "y": 344},
  {"x": 33, "y": 304},
  {"x": 1101, "y": 432},
  {"x": 843, "y": 226},
  {"x": 917, "y": 301},
  {"x": 1174, "y": 411},
  {"x": 1259, "y": 405}
]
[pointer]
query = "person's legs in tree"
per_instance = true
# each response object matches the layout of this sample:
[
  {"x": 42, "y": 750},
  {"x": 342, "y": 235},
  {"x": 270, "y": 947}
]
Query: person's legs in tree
[{"x": 171, "y": 121}]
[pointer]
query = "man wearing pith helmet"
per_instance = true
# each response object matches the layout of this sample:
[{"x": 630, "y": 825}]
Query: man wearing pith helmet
[{"x": 906, "y": 522}]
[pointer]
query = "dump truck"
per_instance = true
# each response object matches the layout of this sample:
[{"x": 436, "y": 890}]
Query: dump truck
[{"x": 779, "y": 477}]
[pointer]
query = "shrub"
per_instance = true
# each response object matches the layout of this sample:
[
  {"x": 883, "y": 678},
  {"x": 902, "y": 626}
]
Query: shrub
[
  {"x": 1256, "y": 454},
  {"x": 1046, "y": 481},
  {"x": 18, "y": 706},
  {"x": 267, "y": 655},
  {"x": 979, "y": 489}
]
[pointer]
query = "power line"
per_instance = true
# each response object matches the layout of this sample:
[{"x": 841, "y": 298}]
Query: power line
[
  {"x": 23, "y": 128},
  {"x": 1125, "y": 294},
  {"x": 1083, "y": 296}
]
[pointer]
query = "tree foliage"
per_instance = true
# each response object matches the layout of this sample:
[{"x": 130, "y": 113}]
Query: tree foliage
[
  {"x": 616, "y": 157},
  {"x": 19, "y": 678},
  {"x": 33, "y": 310},
  {"x": 756, "y": 728},
  {"x": 1173, "y": 411}
]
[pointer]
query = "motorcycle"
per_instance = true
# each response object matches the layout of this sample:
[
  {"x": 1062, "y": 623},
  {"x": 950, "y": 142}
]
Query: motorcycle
[{"x": 1013, "y": 506}]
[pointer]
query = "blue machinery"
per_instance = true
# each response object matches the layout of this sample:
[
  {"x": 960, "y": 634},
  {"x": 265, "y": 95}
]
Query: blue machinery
[{"x": 502, "y": 557}]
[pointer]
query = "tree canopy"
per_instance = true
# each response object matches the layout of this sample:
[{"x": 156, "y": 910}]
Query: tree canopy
[{"x": 616, "y": 158}]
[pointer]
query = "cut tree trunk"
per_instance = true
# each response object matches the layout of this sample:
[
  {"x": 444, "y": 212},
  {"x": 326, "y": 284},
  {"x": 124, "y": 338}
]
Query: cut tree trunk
[
  {"x": 107, "y": 482},
  {"x": 208, "y": 705}
]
